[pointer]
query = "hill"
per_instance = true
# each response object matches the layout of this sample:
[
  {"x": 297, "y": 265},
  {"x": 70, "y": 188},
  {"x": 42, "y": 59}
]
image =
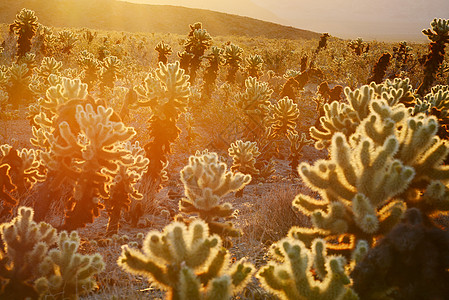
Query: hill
[{"x": 132, "y": 17}]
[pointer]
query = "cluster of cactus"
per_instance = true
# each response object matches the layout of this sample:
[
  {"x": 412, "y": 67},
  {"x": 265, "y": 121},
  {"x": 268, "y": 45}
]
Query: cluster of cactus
[
  {"x": 439, "y": 37},
  {"x": 163, "y": 51},
  {"x": 110, "y": 70},
  {"x": 123, "y": 189},
  {"x": 401, "y": 53},
  {"x": 211, "y": 72},
  {"x": 391, "y": 160},
  {"x": 25, "y": 26},
  {"x": 254, "y": 103},
  {"x": 28, "y": 269},
  {"x": 233, "y": 59},
  {"x": 196, "y": 44},
  {"x": 358, "y": 46},
  {"x": 187, "y": 262},
  {"x": 91, "y": 67},
  {"x": 67, "y": 40},
  {"x": 282, "y": 118},
  {"x": 206, "y": 180},
  {"x": 254, "y": 66},
  {"x": 166, "y": 92},
  {"x": 290, "y": 274},
  {"x": 15, "y": 81}
]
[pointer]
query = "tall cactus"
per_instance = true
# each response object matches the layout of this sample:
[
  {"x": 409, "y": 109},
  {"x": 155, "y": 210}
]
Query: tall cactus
[
  {"x": 25, "y": 26},
  {"x": 166, "y": 92}
]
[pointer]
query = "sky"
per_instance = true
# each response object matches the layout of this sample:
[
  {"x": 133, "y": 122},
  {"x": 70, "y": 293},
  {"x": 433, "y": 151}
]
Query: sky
[{"x": 390, "y": 20}]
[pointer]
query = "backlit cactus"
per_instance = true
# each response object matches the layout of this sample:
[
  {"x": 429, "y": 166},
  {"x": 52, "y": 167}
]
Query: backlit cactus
[
  {"x": 244, "y": 155},
  {"x": 188, "y": 263},
  {"x": 163, "y": 51},
  {"x": 6, "y": 187},
  {"x": 233, "y": 59},
  {"x": 297, "y": 142},
  {"x": 391, "y": 162},
  {"x": 210, "y": 74},
  {"x": 282, "y": 118},
  {"x": 439, "y": 37},
  {"x": 290, "y": 276},
  {"x": 254, "y": 65},
  {"x": 91, "y": 67},
  {"x": 196, "y": 45},
  {"x": 123, "y": 188},
  {"x": 86, "y": 156},
  {"x": 206, "y": 180},
  {"x": 66, "y": 274},
  {"x": 67, "y": 40},
  {"x": 25, "y": 26},
  {"x": 26, "y": 244},
  {"x": 25, "y": 166},
  {"x": 166, "y": 91},
  {"x": 111, "y": 69},
  {"x": 254, "y": 104}
]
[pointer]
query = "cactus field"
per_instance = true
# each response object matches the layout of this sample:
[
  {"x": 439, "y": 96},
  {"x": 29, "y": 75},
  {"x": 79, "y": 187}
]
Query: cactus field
[{"x": 191, "y": 166}]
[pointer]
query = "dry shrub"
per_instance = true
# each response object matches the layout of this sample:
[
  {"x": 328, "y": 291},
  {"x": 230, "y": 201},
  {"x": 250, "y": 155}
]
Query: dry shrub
[{"x": 272, "y": 215}]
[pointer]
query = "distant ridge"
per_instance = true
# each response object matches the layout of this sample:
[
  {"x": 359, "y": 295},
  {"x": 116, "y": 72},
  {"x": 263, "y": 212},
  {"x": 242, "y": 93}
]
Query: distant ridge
[{"x": 125, "y": 16}]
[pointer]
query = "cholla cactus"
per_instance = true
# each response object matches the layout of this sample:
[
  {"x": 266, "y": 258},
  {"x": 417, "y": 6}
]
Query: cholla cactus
[
  {"x": 67, "y": 274},
  {"x": 210, "y": 74},
  {"x": 244, "y": 156},
  {"x": 206, "y": 180},
  {"x": 123, "y": 188},
  {"x": 380, "y": 68},
  {"x": 25, "y": 166},
  {"x": 45, "y": 39},
  {"x": 296, "y": 145},
  {"x": 346, "y": 116},
  {"x": 292, "y": 277},
  {"x": 25, "y": 27},
  {"x": 254, "y": 103},
  {"x": 166, "y": 92},
  {"x": 196, "y": 44},
  {"x": 322, "y": 44},
  {"x": 29, "y": 59},
  {"x": 85, "y": 157},
  {"x": 6, "y": 187},
  {"x": 188, "y": 263},
  {"x": 391, "y": 162},
  {"x": 358, "y": 46},
  {"x": 16, "y": 85},
  {"x": 26, "y": 244},
  {"x": 436, "y": 103},
  {"x": 401, "y": 54},
  {"x": 67, "y": 40},
  {"x": 439, "y": 37},
  {"x": 110, "y": 71},
  {"x": 47, "y": 74},
  {"x": 233, "y": 59},
  {"x": 91, "y": 67},
  {"x": 254, "y": 65},
  {"x": 163, "y": 51},
  {"x": 282, "y": 118}
]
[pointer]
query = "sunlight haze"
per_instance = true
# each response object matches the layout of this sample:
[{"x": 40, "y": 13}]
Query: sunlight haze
[{"x": 380, "y": 19}]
